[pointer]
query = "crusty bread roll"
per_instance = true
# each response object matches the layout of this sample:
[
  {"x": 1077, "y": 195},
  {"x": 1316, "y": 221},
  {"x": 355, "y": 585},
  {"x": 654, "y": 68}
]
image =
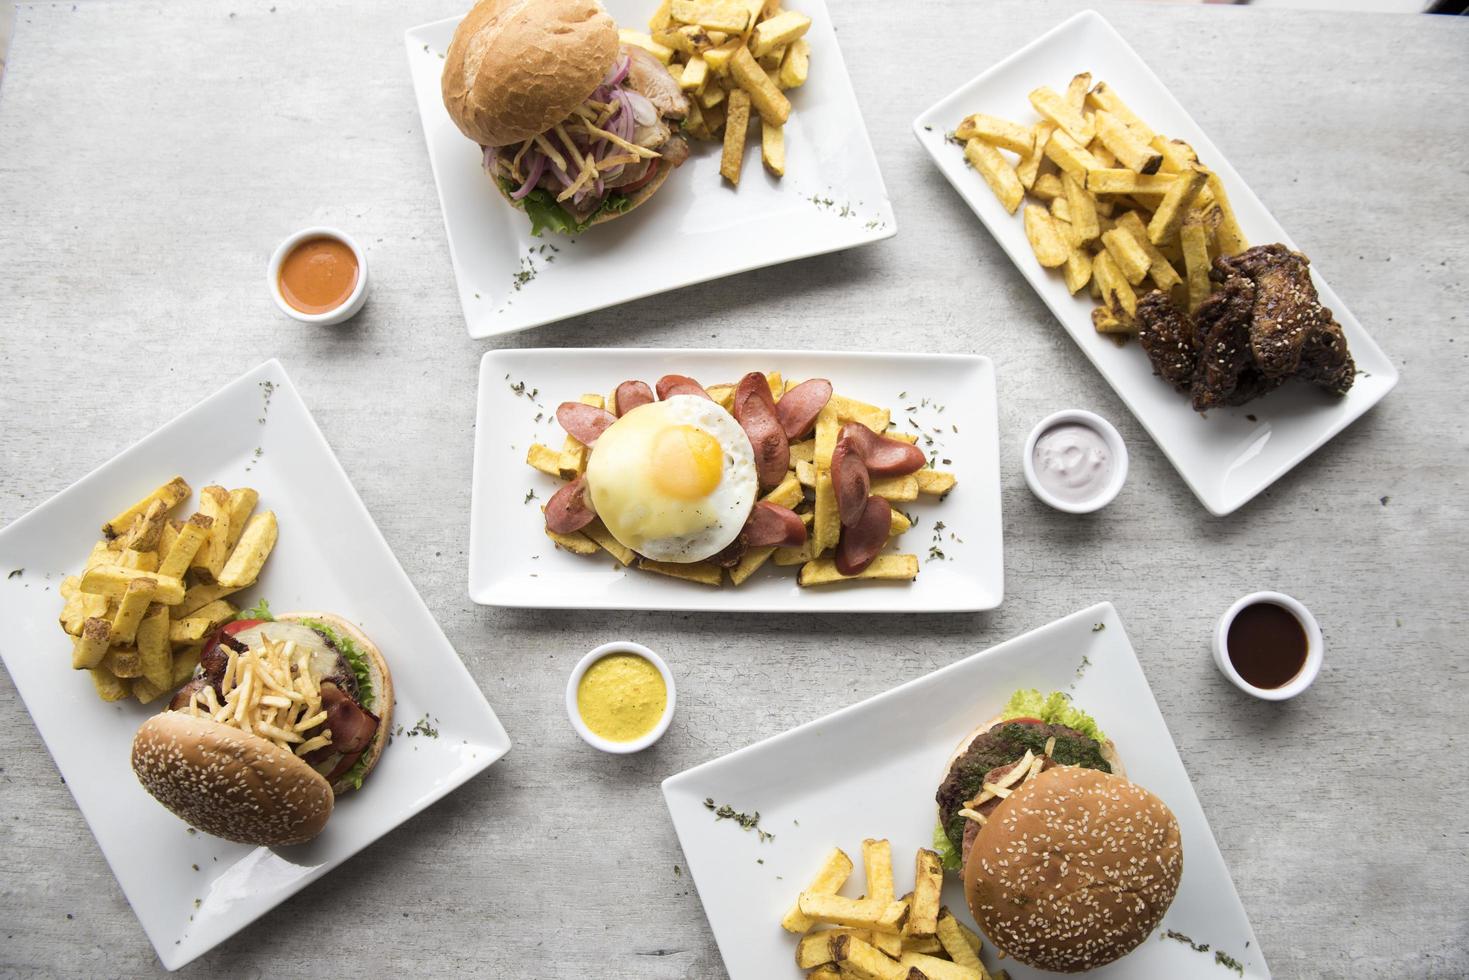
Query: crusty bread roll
[{"x": 518, "y": 67}]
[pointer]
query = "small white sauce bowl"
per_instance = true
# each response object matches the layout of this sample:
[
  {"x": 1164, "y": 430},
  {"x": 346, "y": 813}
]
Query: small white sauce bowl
[
  {"x": 1315, "y": 649},
  {"x": 592, "y": 738},
  {"x": 354, "y": 300},
  {"x": 1115, "y": 446}
]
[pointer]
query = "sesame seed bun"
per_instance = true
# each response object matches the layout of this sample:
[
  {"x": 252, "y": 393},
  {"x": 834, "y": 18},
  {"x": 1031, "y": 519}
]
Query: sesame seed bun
[
  {"x": 515, "y": 68},
  {"x": 1074, "y": 869},
  {"x": 230, "y": 783},
  {"x": 242, "y": 787}
]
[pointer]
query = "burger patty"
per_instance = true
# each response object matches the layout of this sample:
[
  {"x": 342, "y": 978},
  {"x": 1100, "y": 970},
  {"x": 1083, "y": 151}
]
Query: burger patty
[{"x": 999, "y": 749}]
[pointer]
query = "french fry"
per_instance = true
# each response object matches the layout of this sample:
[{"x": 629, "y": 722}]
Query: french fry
[
  {"x": 859, "y": 913},
  {"x": 143, "y": 561},
  {"x": 796, "y": 65},
  {"x": 1162, "y": 271},
  {"x": 895, "y": 489},
  {"x": 768, "y": 100},
  {"x": 109, "y": 688},
  {"x": 996, "y": 171},
  {"x": 199, "y": 596},
  {"x": 826, "y": 971},
  {"x": 1103, "y": 98},
  {"x": 242, "y": 505},
  {"x": 598, "y": 532},
  {"x": 638, "y": 39},
  {"x": 694, "y": 74},
  {"x": 1029, "y": 169},
  {"x": 952, "y": 935},
  {"x": 893, "y": 568},
  {"x": 1128, "y": 254},
  {"x": 1116, "y": 291},
  {"x": 146, "y": 691},
  {"x": 171, "y": 494},
  {"x": 773, "y": 149},
  {"x": 248, "y": 558},
  {"x": 575, "y": 542},
  {"x": 1195, "y": 243},
  {"x": 112, "y": 580},
  {"x": 573, "y": 460},
  {"x": 91, "y": 646},
  {"x": 214, "y": 502},
  {"x": 1051, "y": 249},
  {"x": 186, "y": 544},
  {"x": 1078, "y": 269},
  {"x": 814, "y": 949},
  {"x": 928, "y": 882},
  {"x": 877, "y": 865},
  {"x": 701, "y": 572},
  {"x": 1076, "y": 91},
  {"x": 778, "y": 31},
  {"x": 1083, "y": 211},
  {"x": 545, "y": 459},
  {"x": 934, "y": 968},
  {"x": 1229, "y": 235},
  {"x": 1001, "y": 133},
  {"x": 923, "y": 944},
  {"x": 833, "y": 874},
  {"x": 184, "y": 662},
  {"x": 1070, "y": 156},
  {"x": 863, "y": 960},
  {"x": 718, "y": 57},
  {"x": 1178, "y": 156},
  {"x": 1048, "y": 187},
  {"x": 146, "y": 531},
  {"x": 1104, "y": 320},
  {"x": 1131, "y": 151},
  {"x": 123, "y": 662},
  {"x": 154, "y": 653},
  {"x": 130, "y": 610},
  {"x": 1119, "y": 181},
  {"x": 935, "y": 482},
  {"x": 711, "y": 96},
  {"x": 80, "y": 606},
  {"x": 714, "y": 15},
  {"x": 1055, "y": 109},
  {"x": 1168, "y": 218},
  {"x": 736, "y": 124}
]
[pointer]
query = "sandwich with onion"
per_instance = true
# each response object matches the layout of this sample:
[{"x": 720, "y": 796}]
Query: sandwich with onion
[
  {"x": 283, "y": 715},
  {"x": 576, "y": 127},
  {"x": 1066, "y": 864}
]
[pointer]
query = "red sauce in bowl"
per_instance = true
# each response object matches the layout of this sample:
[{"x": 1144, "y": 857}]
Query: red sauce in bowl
[{"x": 318, "y": 275}]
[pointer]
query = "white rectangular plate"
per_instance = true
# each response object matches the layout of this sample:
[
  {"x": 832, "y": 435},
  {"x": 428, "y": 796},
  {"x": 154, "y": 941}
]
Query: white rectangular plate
[
  {"x": 871, "y": 770},
  {"x": 1232, "y": 454},
  {"x": 192, "y": 891},
  {"x": 513, "y": 563},
  {"x": 696, "y": 228}
]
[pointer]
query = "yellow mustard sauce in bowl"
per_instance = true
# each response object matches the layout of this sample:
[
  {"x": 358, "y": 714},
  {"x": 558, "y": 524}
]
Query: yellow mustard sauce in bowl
[{"x": 622, "y": 697}]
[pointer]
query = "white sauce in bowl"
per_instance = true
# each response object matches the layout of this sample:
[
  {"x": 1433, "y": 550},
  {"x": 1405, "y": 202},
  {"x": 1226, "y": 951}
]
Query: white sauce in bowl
[{"x": 1072, "y": 462}]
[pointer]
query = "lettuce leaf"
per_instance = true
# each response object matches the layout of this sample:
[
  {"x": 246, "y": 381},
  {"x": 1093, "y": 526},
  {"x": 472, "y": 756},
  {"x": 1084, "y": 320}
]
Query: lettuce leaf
[
  {"x": 947, "y": 852},
  {"x": 546, "y": 215},
  {"x": 261, "y": 610},
  {"x": 1054, "y": 709},
  {"x": 356, "y": 659}
]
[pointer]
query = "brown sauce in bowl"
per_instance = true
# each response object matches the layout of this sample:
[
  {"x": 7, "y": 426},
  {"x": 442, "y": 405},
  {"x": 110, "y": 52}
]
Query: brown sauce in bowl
[
  {"x": 1267, "y": 645},
  {"x": 318, "y": 275}
]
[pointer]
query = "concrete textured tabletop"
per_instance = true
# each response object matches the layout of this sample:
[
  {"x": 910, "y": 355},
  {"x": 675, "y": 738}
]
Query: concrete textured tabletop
[{"x": 151, "y": 156}]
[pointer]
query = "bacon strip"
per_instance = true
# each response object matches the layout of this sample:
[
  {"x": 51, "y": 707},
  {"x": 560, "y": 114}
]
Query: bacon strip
[
  {"x": 861, "y": 542},
  {"x": 799, "y": 407},
  {"x": 352, "y": 726},
  {"x": 570, "y": 508},
  {"x": 584, "y": 423},
  {"x": 771, "y": 525},
  {"x": 630, "y": 395},
  {"x": 754, "y": 410},
  {"x": 680, "y": 384}
]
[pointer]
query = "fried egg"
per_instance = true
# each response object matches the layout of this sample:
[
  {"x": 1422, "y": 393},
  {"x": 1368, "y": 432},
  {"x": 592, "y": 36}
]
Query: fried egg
[{"x": 674, "y": 480}]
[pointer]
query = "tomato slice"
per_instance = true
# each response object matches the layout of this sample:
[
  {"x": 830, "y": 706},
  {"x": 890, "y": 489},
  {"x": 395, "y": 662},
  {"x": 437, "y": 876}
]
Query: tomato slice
[
  {"x": 641, "y": 181},
  {"x": 228, "y": 629},
  {"x": 1022, "y": 721}
]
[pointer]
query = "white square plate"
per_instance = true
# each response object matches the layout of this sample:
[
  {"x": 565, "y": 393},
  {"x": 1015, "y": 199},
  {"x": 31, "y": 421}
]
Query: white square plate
[
  {"x": 871, "y": 770},
  {"x": 255, "y": 432},
  {"x": 694, "y": 229},
  {"x": 1226, "y": 458},
  {"x": 513, "y": 563}
]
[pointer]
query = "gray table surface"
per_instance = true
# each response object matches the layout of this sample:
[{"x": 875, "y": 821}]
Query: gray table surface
[{"x": 152, "y": 154}]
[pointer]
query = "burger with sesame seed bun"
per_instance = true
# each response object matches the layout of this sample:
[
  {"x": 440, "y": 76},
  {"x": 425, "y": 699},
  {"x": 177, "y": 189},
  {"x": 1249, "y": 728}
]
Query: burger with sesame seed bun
[
  {"x": 1066, "y": 864},
  {"x": 284, "y": 714}
]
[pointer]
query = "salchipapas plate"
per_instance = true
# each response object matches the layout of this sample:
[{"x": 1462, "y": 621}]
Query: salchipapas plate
[
  {"x": 696, "y": 228},
  {"x": 952, "y": 401},
  {"x": 192, "y": 891},
  {"x": 871, "y": 770},
  {"x": 1232, "y": 454}
]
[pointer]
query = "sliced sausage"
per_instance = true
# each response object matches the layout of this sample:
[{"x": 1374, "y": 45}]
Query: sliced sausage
[
  {"x": 850, "y": 481},
  {"x": 629, "y": 395},
  {"x": 883, "y": 456},
  {"x": 799, "y": 407},
  {"x": 754, "y": 410},
  {"x": 584, "y": 423},
  {"x": 732, "y": 553},
  {"x": 861, "y": 542},
  {"x": 773, "y": 525},
  {"x": 570, "y": 508},
  {"x": 680, "y": 384}
]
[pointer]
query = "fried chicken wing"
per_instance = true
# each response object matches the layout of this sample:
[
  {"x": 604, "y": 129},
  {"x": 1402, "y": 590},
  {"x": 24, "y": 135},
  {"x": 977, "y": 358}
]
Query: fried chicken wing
[{"x": 1167, "y": 334}]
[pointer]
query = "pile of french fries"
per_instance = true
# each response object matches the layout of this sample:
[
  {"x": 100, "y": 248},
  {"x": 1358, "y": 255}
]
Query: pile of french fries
[
  {"x": 730, "y": 56},
  {"x": 807, "y": 489},
  {"x": 1121, "y": 209},
  {"x": 154, "y": 588},
  {"x": 879, "y": 936}
]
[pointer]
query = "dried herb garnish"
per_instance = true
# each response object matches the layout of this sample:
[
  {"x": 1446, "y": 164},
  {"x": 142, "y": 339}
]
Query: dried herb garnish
[{"x": 747, "y": 821}]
